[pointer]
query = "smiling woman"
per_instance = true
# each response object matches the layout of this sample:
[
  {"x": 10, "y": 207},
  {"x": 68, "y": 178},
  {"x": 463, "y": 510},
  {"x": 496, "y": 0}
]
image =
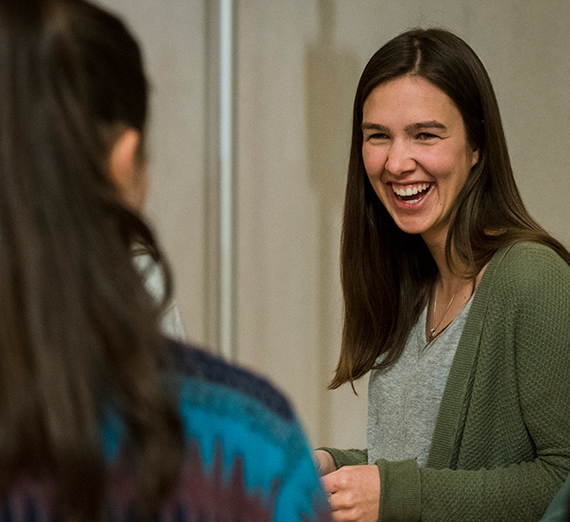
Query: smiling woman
[
  {"x": 456, "y": 301},
  {"x": 420, "y": 159}
]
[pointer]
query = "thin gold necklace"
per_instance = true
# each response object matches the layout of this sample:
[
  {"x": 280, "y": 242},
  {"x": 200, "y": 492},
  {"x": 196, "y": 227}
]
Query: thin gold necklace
[{"x": 432, "y": 333}]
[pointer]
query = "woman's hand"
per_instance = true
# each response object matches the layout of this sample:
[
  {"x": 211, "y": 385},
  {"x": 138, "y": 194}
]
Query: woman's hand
[
  {"x": 323, "y": 462},
  {"x": 354, "y": 493}
]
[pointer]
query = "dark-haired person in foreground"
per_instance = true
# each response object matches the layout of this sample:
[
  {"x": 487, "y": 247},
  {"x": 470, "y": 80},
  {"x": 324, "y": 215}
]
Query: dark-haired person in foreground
[
  {"x": 456, "y": 301},
  {"x": 101, "y": 417}
]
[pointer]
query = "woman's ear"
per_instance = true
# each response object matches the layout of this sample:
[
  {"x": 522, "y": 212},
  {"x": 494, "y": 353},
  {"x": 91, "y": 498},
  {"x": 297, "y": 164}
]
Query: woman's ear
[
  {"x": 125, "y": 168},
  {"x": 474, "y": 157},
  {"x": 122, "y": 162}
]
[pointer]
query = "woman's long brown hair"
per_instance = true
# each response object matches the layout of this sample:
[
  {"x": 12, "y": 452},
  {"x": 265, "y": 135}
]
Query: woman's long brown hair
[
  {"x": 78, "y": 332},
  {"x": 386, "y": 274}
]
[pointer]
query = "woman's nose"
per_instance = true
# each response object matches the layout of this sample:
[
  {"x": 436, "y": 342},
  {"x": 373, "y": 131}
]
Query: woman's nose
[{"x": 400, "y": 158}]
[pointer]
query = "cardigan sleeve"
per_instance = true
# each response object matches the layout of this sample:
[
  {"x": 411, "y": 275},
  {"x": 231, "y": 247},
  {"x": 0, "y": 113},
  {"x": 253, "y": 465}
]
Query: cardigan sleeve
[
  {"x": 351, "y": 457},
  {"x": 512, "y": 444}
]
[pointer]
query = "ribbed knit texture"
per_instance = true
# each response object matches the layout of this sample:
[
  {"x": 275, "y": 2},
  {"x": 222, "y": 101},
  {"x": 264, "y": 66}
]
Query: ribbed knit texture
[{"x": 501, "y": 445}]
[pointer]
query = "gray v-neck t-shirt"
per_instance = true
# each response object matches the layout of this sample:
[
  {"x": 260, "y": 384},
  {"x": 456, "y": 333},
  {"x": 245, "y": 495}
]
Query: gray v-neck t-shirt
[{"x": 403, "y": 400}]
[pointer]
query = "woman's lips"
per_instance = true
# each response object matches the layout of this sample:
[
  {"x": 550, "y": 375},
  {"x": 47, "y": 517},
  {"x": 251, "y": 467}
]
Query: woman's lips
[{"x": 411, "y": 193}]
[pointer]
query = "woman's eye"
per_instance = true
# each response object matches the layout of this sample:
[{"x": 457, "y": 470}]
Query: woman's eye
[
  {"x": 425, "y": 136},
  {"x": 378, "y": 136}
]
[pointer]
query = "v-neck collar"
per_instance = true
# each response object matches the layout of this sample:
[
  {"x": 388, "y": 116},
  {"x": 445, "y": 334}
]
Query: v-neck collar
[{"x": 454, "y": 396}]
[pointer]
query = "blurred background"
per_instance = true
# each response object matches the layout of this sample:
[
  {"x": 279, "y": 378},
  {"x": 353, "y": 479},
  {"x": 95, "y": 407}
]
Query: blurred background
[{"x": 297, "y": 63}]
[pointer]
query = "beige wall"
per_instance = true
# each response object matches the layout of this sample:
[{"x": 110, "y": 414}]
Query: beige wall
[{"x": 298, "y": 65}]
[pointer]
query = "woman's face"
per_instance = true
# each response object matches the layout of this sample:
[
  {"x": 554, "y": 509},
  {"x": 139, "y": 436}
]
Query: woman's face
[{"x": 416, "y": 153}]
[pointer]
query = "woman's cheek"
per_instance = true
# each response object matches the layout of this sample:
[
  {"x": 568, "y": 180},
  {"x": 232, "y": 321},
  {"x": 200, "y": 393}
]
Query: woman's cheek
[{"x": 373, "y": 164}]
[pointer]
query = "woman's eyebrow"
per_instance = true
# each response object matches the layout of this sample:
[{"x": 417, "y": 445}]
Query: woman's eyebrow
[
  {"x": 374, "y": 126},
  {"x": 432, "y": 124}
]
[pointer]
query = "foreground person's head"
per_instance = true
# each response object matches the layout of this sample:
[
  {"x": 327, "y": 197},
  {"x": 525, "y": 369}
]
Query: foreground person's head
[{"x": 79, "y": 333}]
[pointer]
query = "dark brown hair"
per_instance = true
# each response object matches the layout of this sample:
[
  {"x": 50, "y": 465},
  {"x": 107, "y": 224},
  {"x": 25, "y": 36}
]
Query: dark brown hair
[
  {"x": 387, "y": 274},
  {"x": 78, "y": 332}
]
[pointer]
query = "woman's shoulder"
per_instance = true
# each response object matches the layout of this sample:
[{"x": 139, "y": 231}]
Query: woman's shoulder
[
  {"x": 197, "y": 365},
  {"x": 527, "y": 274},
  {"x": 239, "y": 422},
  {"x": 530, "y": 261},
  {"x": 223, "y": 404},
  {"x": 530, "y": 251}
]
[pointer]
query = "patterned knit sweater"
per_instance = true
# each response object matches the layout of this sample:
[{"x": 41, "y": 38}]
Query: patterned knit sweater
[
  {"x": 247, "y": 458},
  {"x": 501, "y": 445}
]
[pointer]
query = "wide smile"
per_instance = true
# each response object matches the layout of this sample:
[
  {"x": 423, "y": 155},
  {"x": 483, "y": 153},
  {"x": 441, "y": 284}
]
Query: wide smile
[{"x": 412, "y": 193}]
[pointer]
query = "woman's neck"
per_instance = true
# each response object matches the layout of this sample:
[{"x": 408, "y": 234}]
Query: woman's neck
[
  {"x": 449, "y": 277},
  {"x": 452, "y": 290}
]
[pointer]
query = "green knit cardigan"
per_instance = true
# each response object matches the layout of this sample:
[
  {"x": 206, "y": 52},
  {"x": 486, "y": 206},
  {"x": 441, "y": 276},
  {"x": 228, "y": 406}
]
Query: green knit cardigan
[{"x": 501, "y": 445}]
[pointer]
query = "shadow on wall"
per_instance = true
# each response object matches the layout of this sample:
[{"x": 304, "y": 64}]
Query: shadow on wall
[{"x": 331, "y": 78}]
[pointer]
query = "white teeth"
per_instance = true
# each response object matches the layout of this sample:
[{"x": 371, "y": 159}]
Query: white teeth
[{"x": 410, "y": 190}]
